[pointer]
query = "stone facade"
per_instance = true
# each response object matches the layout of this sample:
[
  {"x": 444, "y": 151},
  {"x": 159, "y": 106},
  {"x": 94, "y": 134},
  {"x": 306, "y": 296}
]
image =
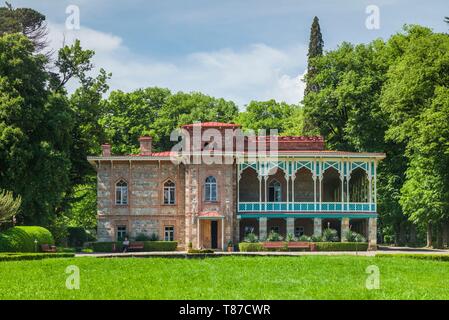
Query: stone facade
[{"x": 315, "y": 192}]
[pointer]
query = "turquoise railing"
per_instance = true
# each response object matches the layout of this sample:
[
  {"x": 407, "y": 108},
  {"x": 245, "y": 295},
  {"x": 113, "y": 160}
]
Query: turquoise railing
[{"x": 306, "y": 207}]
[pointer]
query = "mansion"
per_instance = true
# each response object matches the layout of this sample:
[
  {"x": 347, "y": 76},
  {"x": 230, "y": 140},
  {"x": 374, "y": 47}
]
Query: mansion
[{"x": 301, "y": 190}]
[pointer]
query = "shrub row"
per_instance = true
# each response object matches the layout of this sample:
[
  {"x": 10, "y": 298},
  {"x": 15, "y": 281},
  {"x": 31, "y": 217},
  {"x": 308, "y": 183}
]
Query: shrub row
[
  {"x": 148, "y": 246},
  {"x": 341, "y": 246},
  {"x": 33, "y": 256},
  {"x": 423, "y": 256},
  {"x": 251, "y": 246},
  {"x": 320, "y": 246},
  {"x": 200, "y": 251},
  {"x": 21, "y": 239}
]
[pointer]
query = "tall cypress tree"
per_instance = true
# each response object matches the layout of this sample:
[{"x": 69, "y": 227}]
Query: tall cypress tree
[{"x": 315, "y": 49}]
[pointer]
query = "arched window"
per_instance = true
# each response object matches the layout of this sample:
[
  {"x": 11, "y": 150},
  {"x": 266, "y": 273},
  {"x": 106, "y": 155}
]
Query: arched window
[
  {"x": 210, "y": 189},
  {"x": 274, "y": 191},
  {"x": 121, "y": 193},
  {"x": 169, "y": 192}
]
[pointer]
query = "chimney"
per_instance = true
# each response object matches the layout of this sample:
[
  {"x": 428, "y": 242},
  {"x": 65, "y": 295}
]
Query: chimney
[
  {"x": 145, "y": 145},
  {"x": 106, "y": 150}
]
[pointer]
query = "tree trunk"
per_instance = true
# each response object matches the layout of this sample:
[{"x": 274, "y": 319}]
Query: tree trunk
[
  {"x": 445, "y": 228},
  {"x": 439, "y": 236},
  {"x": 413, "y": 234},
  {"x": 429, "y": 234},
  {"x": 402, "y": 234}
]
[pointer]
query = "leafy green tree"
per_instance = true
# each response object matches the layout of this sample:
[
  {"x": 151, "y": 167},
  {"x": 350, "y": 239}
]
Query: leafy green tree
[
  {"x": 9, "y": 206},
  {"x": 266, "y": 115},
  {"x": 127, "y": 116},
  {"x": 184, "y": 108},
  {"x": 27, "y": 21},
  {"x": 35, "y": 127}
]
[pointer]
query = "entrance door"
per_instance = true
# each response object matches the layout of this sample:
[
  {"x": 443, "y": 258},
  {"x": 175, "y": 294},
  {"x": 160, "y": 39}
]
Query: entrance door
[{"x": 213, "y": 234}]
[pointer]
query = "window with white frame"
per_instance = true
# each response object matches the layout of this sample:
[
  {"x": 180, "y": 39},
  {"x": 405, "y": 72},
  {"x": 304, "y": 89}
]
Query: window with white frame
[
  {"x": 299, "y": 231},
  {"x": 121, "y": 233},
  {"x": 169, "y": 192},
  {"x": 121, "y": 193},
  {"x": 210, "y": 189},
  {"x": 274, "y": 191},
  {"x": 169, "y": 233}
]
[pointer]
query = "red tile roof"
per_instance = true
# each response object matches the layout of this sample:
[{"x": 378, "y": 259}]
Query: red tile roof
[{"x": 212, "y": 125}]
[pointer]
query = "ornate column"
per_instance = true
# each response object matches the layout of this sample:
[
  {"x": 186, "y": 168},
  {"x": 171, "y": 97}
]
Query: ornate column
[
  {"x": 262, "y": 228},
  {"x": 290, "y": 225},
  {"x": 317, "y": 227},
  {"x": 342, "y": 179},
  {"x": 372, "y": 234},
  {"x": 344, "y": 228}
]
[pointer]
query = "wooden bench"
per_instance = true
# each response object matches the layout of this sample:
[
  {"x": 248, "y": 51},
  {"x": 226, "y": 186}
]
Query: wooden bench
[
  {"x": 274, "y": 245},
  {"x": 301, "y": 245},
  {"x": 48, "y": 248},
  {"x": 137, "y": 245}
]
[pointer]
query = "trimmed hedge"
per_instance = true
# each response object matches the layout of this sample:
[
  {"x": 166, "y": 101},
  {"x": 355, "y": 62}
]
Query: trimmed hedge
[
  {"x": 341, "y": 246},
  {"x": 106, "y": 246},
  {"x": 320, "y": 246},
  {"x": 251, "y": 246},
  {"x": 21, "y": 239},
  {"x": 147, "y": 246},
  {"x": 33, "y": 256},
  {"x": 160, "y": 245},
  {"x": 422, "y": 256},
  {"x": 199, "y": 251}
]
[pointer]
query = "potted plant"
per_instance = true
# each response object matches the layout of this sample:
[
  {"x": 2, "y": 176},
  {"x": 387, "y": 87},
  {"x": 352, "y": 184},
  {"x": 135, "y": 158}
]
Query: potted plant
[{"x": 230, "y": 246}]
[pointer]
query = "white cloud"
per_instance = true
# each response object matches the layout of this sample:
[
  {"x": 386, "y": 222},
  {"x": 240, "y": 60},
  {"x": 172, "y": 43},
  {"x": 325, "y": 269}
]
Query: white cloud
[{"x": 257, "y": 72}]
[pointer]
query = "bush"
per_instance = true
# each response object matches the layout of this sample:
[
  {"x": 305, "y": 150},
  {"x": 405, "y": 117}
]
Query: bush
[
  {"x": 76, "y": 236},
  {"x": 251, "y": 246},
  {"x": 106, "y": 246},
  {"x": 160, "y": 245},
  {"x": 352, "y": 236},
  {"x": 251, "y": 237},
  {"x": 290, "y": 237},
  {"x": 274, "y": 236},
  {"x": 330, "y": 235},
  {"x": 341, "y": 246},
  {"x": 87, "y": 250},
  {"x": 316, "y": 238},
  {"x": 21, "y": 239},
  {"x": 147, "y": 246},
  {"x": 200, "y": 251},
  {"x": 305, "y": 238},
  {"x": 33, "y": 256}
]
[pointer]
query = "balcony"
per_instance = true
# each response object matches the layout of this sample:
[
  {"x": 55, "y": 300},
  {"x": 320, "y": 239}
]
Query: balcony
[{"x": 251, "y": 207}]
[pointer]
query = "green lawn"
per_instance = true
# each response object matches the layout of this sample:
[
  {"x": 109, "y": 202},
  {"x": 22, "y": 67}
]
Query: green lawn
[{"x": 302, "y": 277}]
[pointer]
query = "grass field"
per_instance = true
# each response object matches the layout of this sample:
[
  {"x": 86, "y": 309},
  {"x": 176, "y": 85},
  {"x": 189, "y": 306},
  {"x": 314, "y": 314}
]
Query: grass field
[{"x": 305, "y": 277}]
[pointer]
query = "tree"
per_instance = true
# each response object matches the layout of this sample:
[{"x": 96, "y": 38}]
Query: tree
[
  {"x": 35, "y": 126},
  {"x": 127, "y": 116},
  {"x": 184, "y": 108},
  {"x": 9, "y": 206},
  {"x": 27, "y": 21},
  {"x": 266, "y": 115},
  {"x": 316, "y": 45}
]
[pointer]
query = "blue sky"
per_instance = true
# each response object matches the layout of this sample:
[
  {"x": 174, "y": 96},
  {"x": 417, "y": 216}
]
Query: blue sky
[{"x": 241, "y": 50}]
